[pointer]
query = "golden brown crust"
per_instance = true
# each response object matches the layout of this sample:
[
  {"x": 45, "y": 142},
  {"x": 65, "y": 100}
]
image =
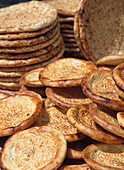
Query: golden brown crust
[
  {"x": 81, "y": 119},
  {"x": 111, "y": 60},
  {"x": 55, "y": 117},
  {"x": 30, "y": 41},
  {"x": 31, "y": 78},
  {"x": 25, "y": 17},
  {"x": 75, "y": 167},
  {"x": 34, "y": 66},
  {"x": 118, "y": 75},
  {"x": 104, "y": 156},
  {"x": 106, "y": 118},
  {"x": 120, "y": 118},
  {"x": 19, "y": 111},
  {"x": 99, "y": 87},
  {"x": 76, "y": 34},
  {"x": 67, "y": 97},
  {"x": 119, "y": 91},
  {"x": 34, "y": 148},
  {"x": 30, "y": 48},
  {"x": 65, "y": 72},
  {"x": 23, "y": 35},
  {"x": 54, "y": 46}
]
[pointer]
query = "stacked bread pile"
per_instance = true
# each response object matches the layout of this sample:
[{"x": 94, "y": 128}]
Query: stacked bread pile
[
  {"x": 29, "y": 38},
  {"x": 66, "y": 11}
]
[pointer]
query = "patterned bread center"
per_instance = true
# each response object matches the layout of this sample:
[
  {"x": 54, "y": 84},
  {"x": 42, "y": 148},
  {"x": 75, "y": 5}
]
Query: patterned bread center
[
  {"x": 15, "y": 111},
  {"x": 113, "y": 158},
  {"x": 57, "y": 120},
  {"x": 67, "y": 70},
  {"x": 32, "y": 151},
  {"x": 103, "y": 85}
]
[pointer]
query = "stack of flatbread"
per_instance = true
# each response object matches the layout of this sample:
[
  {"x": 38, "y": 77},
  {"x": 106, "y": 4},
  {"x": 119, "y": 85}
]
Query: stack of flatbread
[
  {"x": 66, "y": 11},
  {"x": 29, "y": 38}
]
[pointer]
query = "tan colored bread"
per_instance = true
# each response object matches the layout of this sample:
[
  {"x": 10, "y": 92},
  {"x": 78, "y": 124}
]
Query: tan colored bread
[
  {"x": 29, "y": 48},
  {"x": 33, "y": 60},
  {"x": 120, "y": 118},
  {"x": 66, "y": 97},
  {"x": 106, "y": 36},
  {"x": 55, "y": 117},
  {"x": 54, "y": 46},
  {"x": 106, "y": 118},
  {"x": 34, "y": 148},
  {"x": 25, "y": 17},
  {"x": 104, "y": 156},
  {"x": 75, "y": 167},
  {"x": 30, "y": 41},
  {"x": 23, "y": 35},
  {"x": 66, "y": 72},
  {"x": 19, "y": 111},
  {"x": 66, "y": 7},
  {"x": 111, "y": 60},
  {"x": 99, "y": 87},
  {"x": 80, "y": 118},
  {"x": 118, "y": 75}
]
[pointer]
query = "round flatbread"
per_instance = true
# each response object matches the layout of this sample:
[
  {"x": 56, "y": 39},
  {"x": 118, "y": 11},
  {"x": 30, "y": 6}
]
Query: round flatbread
[
  {"x": 11, "y": 74},
  {"x": 77, "y": 27},
  {"x": 33, "y": 60},
  {"x": 31, "y": 78},
  {"x": 54, "y": 46},
  {"x": 104, "y": 156},
  {"x": 120, "y": 118},
  {"x": 34, "y": 148},
  {"x": 23, "y": 35},
  {"x": 111, "y": 60},
  {"x": 18, "y": 112},
  {"x": 80, "y": 118},
  {"x": 66, "y": 7},
  {"x": 118, "y": 75},
  {"x": 106, "y": 36},
  {"x": 66, "y": 72},
  {"x": 30, "y": 41},
  {"x": 99, "y": 87},
  {"x": 106, "y": 118},
  {"x": 55, "y": 117},
  {"x": 10, "y": 85},
  {"x": 25, "y": 17},
  {"x": 67, "y": 97},
  {"x": 119, "y": 91},
  {"x": 30, "y": 48},
  {"x": 34, "y": 66}
]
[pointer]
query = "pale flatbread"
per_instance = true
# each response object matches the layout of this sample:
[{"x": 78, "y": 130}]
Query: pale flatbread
[
  {"x": 29, "y": 54},
  {"x": 25, "y": 17},
  {"x": 66, "y": 7},
  {"x": 24, "y": 62},
  {"x": 34, "y": 148},
  {"x": 30, "y": 48},
  {"x": 33, "y": 66},
  {"x": 106, "y": 36},
  {"x": 23, "y": 35},
  {"x": 30, "y": 41}
]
